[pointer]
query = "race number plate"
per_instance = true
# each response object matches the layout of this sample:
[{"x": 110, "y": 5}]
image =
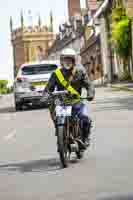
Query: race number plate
[{"x": 63, "y": 111}]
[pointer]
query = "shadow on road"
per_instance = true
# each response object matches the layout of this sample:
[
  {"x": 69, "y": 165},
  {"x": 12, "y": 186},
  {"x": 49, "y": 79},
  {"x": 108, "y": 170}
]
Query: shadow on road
[
  {"x": 7, "y": 110},
  {"x": 117, "y": 197},
  {"x": 46, "y": 165},
  {"x": 124, "y": 103}
]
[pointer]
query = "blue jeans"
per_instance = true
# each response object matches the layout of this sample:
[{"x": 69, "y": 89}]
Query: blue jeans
[{"x": 81, "y": 110}]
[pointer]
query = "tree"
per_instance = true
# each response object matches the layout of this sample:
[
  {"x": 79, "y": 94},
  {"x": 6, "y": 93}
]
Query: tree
[
  {"x": 121, "y": 34},
  {"x": 4, "y": 86}
]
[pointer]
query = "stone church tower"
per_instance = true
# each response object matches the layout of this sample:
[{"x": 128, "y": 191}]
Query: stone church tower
[{"x": 31, "y": 43}]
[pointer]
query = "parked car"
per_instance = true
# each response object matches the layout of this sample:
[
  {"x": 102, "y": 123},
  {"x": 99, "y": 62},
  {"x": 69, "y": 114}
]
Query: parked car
[{"x": 31, "y": 81}]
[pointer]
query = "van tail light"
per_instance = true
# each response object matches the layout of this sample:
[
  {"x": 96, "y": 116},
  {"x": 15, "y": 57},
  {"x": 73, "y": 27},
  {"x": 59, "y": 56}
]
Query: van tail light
[{"x": 21, "y": 79}]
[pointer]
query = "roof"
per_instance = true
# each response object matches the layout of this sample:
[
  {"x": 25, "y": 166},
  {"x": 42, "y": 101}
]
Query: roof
[
  {"x": 61, "y": 43},
  {"x": 41, "y": 63},
  {"x": 95, "y": 38}
]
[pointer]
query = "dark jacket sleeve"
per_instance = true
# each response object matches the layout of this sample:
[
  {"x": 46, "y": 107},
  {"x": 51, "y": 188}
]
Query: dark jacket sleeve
[
  {"x": 51, "y": 84},
  {"x": 88, "y": 84}
]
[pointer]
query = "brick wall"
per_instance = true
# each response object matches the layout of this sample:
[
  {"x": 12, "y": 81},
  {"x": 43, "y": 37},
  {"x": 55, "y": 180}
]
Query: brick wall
[
  {"x": 91, "y": 4},
  {"x": 91, "y": 59}
]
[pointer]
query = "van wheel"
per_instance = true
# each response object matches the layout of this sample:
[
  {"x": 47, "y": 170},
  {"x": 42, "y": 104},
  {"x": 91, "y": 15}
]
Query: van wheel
[{"x": 18, "y": 106}]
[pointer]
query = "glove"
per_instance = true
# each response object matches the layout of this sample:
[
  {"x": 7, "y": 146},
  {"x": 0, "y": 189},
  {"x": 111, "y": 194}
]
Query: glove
[{"x": 44, "y": 98}]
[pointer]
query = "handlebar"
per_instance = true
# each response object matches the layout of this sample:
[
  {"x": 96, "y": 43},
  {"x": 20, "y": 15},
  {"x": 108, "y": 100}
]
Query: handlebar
[
  {"x": 63, "y": 93},
  {"x": 56, "y": 93},
  {"x": 59, "y": 92}
]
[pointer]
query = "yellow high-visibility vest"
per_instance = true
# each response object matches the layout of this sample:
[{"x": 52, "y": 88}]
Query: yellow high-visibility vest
[{"x": 65, "y": 83}]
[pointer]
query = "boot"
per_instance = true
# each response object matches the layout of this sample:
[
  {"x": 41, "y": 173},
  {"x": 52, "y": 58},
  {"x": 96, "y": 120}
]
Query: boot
[
  {"x": 87, "y": 142},
  {"x": 87, "y": 133}
]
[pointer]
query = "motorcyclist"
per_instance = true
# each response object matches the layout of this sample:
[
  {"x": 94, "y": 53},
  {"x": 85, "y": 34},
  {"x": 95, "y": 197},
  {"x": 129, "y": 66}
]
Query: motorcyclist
[{"x": 78, "y": 79}]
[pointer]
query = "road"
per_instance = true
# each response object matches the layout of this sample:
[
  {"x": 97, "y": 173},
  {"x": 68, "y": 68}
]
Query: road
[
  {"x": 114, "y": 145},
  {"x": 30, "y": 167}
]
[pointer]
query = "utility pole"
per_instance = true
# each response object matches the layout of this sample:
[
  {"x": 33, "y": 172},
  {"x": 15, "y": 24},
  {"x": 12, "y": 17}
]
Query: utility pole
[{"x": 105, "y": 51}]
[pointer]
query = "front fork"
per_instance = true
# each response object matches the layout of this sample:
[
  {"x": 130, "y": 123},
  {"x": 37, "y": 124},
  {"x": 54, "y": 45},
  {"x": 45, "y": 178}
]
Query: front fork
[
  {"x": 60, "y": 121},
  {"x": 65, "y": 122}
]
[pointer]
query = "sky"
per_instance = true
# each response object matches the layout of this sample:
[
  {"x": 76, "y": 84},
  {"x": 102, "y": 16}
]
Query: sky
[{"x": 13, "y": 8}]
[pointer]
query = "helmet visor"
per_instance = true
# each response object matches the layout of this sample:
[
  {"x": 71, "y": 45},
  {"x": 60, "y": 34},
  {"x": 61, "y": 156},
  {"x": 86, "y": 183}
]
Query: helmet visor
[
  {"x": 67, "y": 59},
  {"x": 68, "y": 62}
]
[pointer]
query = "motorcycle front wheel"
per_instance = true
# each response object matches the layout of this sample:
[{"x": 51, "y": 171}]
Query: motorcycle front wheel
[{"x": 62, "y": 146}]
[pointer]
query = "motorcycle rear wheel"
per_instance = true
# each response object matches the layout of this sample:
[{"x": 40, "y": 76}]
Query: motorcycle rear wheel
[{"x": 79, "y": 154}]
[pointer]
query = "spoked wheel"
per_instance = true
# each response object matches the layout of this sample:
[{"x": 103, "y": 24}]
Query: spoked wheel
[
  {"x": 62, "y": 146},
  {"x": 81, "y": 145}
]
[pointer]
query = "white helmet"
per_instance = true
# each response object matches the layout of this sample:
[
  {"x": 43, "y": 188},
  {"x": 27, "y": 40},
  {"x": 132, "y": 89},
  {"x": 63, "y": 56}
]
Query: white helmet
[{"x": 68, "y": 52}]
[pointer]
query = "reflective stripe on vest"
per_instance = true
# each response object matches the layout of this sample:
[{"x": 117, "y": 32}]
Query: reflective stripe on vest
[{"x": 65, "y": 83}]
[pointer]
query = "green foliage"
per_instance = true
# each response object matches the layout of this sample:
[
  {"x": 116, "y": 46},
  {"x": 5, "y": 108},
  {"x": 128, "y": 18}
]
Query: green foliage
[
  {"x": 120, "y": 37},
  {"x": 121, "y": 32},
  {"x": 3, "y": 83},
  {"x": 118, "y": 14},
  {"x": 4, "y": 89},
  {"x": 125, "y": 76}
]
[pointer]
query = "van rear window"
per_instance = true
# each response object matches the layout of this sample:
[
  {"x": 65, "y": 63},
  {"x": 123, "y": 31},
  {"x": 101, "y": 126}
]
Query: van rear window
[{"x": 38, "y": 69}]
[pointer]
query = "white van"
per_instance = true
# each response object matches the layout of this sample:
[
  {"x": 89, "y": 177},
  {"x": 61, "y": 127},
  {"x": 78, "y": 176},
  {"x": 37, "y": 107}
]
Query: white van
[{"x": 31, "y": 81}]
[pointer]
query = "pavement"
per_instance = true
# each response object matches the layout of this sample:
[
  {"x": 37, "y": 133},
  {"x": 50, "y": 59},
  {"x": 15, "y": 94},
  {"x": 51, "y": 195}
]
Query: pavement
[
  {"x": 124, "y": 85},
  {"x": 114, "y": 144},
  {"x": 127, "y": 86},
  {"x": 30, "y": 166}
]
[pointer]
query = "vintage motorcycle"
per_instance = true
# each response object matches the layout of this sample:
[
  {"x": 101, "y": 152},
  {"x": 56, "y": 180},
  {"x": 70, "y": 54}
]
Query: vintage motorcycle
[{"x": 69, "y": 137}]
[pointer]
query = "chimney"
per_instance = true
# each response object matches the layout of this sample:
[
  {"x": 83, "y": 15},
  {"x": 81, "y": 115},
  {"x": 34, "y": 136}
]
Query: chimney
[
  {"x": 92, "y": 6},
  {"x": 74, "y": 8}
]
